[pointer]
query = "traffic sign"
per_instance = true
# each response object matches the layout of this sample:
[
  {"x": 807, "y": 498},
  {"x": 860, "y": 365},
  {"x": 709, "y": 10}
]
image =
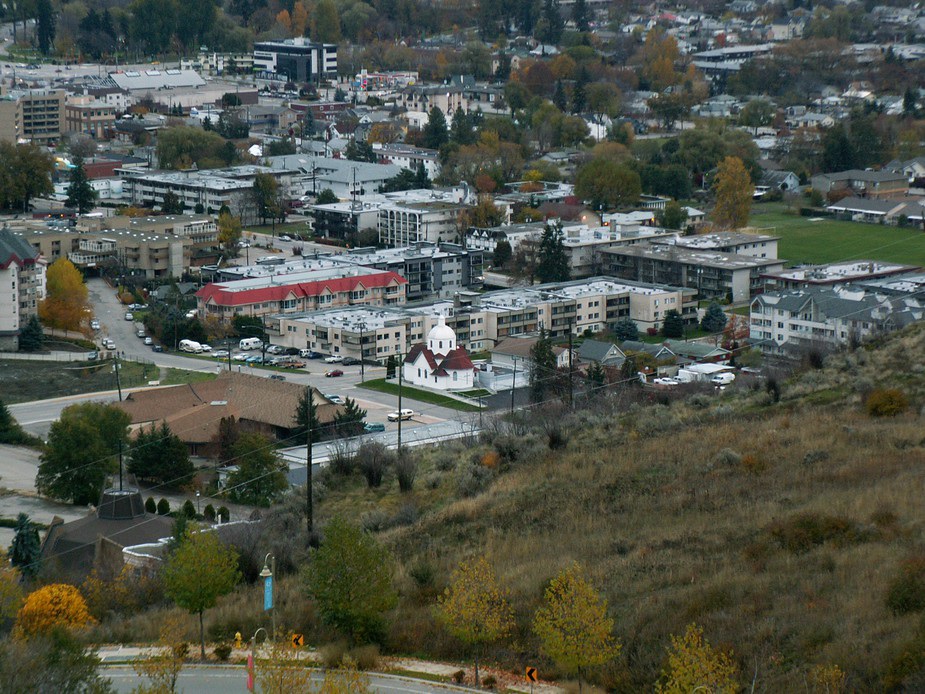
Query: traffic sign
[
  {"x": 298, "y": 640},
  {"x": 531, "y": 674}
]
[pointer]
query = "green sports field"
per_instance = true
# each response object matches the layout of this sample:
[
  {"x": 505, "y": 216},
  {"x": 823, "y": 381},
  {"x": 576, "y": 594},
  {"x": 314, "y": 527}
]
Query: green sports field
[{"x": 827, "y": 241}]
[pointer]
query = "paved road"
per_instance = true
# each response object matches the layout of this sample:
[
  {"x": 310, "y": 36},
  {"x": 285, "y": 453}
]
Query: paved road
[{"x": 228, "y": 679}]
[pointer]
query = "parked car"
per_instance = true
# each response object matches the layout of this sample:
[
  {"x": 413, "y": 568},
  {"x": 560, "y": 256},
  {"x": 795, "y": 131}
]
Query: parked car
[
  {"x": 665, "y": 382},
  {"x": 371, "y": 427},
  {"x": 723, "y": 379},
  {"x": 205, "y": 347},
  {"x": 350, "y": 361},
  {"x": 284, "y": 237},
  {"x": 309, "y": 354},
  {"x": 333, "y": 373},
  {"x": 241, "y": 356},
  {"x": 400, "y": 414},
  {"x": 140, "y": 332},
  {"x": 157, "y": 348},
  {"x": 274, "y": 349},
  {"x": 256, "y": 359},
  {"x": 149, "y": 341},
  {"x": 336, "y": 399},
  {"x": 92, "y": 356},
  {"x": 333, "y": 359},
  {"x": 94, "y": 325},
  {"x": 129, "y": 316},
  {"x": 220, "y": 354},
  {"x": 277, "y": 377}
]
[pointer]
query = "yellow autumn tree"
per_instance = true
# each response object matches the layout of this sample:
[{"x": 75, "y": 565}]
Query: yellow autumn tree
[
  {"x": 659, "y": 55},
  {"x": 573, "y": 625},
  {"x": 284, "y": 20},
  {"x": 827, "y": 679},
  {"x": 11, "y": 595},
  {"x": 474, "y": 608},
  {"x": 733, "y": 189},
  {"x": 300, "y": 18},
  {"x": 161, "y": 665},
  {"x": 54, "y": 605},
  {"x": 229, "y": 231},
  {"x": 65, "y": 304},
  {"x": 693, "y": 663}
]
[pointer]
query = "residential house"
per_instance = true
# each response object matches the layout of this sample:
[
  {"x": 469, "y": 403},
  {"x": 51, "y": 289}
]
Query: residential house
[
  {"x": 867, "y": 184},
  {"x": 603, "y": 353}
]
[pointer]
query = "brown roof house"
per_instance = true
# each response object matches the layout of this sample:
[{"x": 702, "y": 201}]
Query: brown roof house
[
  {"x": 194, "y": 411},
  {"x": 96, "y": 541}
]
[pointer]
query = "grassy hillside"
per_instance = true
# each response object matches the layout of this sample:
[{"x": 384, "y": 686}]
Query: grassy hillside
[
  {"x": 827, "y": 240},
  {"x": 779, "y": 527}
]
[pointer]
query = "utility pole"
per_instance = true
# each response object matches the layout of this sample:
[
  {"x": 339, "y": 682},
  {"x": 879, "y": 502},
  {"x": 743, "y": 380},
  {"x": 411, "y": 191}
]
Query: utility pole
[
  {"x": 513, "y": 384},
  {"x": 571, "y": 380},
  {"x": 309, "y": 510},
  {"x": 400, "y": 369},
  {"x": 362, "y": 355},
  {"x": 118, "y": 380}
]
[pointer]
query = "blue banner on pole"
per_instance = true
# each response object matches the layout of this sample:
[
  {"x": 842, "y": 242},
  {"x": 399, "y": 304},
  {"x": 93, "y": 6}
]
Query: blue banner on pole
[{"x": 268, "y": 593}]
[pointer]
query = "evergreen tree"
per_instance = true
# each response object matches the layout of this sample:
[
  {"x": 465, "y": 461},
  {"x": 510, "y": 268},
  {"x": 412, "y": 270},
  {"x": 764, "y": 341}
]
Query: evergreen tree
[
  {"x": 435, "y": 132},
  {"x": 31, "y": 336},
  {"x": 559, "y": 98},
  {"x": 391, "y": 364},
  {"x": 579, "y": 91},
  {"x": 172, "y": 203},
  {"x": 80, "y": 194},
  {"x": 714, "y": 320},
  {"x": 625, "y": 329},
  {"x": 421, "y": 179},
  {"x": 595, "y": 377},
  {"x": 26, "y": 547},
  {"x": 306, "y": 418},
  {"x": 502, "y": 254},
  {"x": 461, "y": 131},
  {"x": 159, "y": 456},
  {"x": 261, "y": 476},
  {"x": 308, "y": 124},
  {"x": 542, "y": 369},
  {"x": 552, "y": 262},
  {"x": 349, "y": 421},
  {"x": 673, "y": 327},
  {"x": 550, "y": 27},
  {"x": 45, "y": 26},
  {"x": 359, "y": 150},
  {"x": 581, "y": 16}
]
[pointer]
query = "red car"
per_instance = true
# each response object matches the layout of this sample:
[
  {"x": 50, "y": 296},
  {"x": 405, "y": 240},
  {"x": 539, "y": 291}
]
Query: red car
[{"x": 334, "y": 372}]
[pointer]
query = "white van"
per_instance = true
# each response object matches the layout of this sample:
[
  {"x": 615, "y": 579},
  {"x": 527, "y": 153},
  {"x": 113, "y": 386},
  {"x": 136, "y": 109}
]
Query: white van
[
  {"x": 190, "y": 346},
  {"x": 723, "y": 379},
  {"x": 250, "y": 343}
]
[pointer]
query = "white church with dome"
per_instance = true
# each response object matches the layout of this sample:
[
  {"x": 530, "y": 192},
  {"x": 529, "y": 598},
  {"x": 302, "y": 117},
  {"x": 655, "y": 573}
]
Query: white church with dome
[{"x": 439, "y": 363}]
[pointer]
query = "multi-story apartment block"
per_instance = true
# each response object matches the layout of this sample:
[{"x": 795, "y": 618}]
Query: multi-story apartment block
[
  {"x": 791, "y": 322},
  {"x": 311, "y": 290},
  {"x": 35, "y": 115},
  {"x": 22, "y": 286},
  {"x": 151, "y": 246},
  {"x": 480, "y": 321},
  {"x": 740, "y": 242},
  {"x": 713, "y": 274},
  {"x": 411, "y": 223}
]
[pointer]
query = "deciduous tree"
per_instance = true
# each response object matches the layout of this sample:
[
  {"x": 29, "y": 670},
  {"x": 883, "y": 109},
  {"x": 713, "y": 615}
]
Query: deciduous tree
[
  {"x": 82, "y": 449},
  {"x": 474, "y": 608},
  {"x": 350, "y": 578},
  {"x": 573, "y": 625},
  {"x": 58, "y": 662},
  {"x": 693, "y": 664},
  {"x": 346, "y": 679},
  {"x": 229, "y": 232},
  {"x": 65, "y": 305},
  {"x": 161, "y": 666},
  {"x": 734, "y": 190},
  {"x": 172, "y": 203},
  {"x": 197, "y": 573},
  {"x": 54, "y": 606},
  {"x": 605, "y": 183}
]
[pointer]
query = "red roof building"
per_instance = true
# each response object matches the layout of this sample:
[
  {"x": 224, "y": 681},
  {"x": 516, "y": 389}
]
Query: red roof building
[{"x": 301, "y": 292}]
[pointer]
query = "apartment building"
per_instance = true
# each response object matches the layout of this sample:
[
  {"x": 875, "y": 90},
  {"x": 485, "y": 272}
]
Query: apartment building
[
  {"x": 294, "y": 293},
  {"x": 150, "y": 246},
  {"x": 409, "y": 157},
  {"x": 22, "y": 286},
  {"x": 36, "y": 115},
  {"x": 740, "y": 242},
  {"x": 791, "y": 322},
  {"x": 712, "y": 274},
  {"x": 835, "y": 274},
  {"x": 410, "y": 223},
  {"x": 204, "y": 191},
  {"x": 480, "y": 321}
]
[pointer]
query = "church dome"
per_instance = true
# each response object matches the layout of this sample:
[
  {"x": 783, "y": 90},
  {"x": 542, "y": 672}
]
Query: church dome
[{"x": 441, "y": 339}]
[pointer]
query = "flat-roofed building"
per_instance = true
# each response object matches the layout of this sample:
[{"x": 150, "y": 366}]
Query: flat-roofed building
[
  {"x": 298, "y": 59},
  {"x": 22, "y": 286},
  {"x": 742, "y": 242},
  {"x": 835, "y": 273},
  {"x": 405, "y": 224},
  {"x": 89, "y": 116}
]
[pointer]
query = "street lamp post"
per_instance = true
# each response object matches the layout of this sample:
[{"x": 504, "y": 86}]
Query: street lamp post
[
  {"x": 362, "y": 355},
  {"x": 268, "y": 591},
  {"x": 197, "y": 503}
]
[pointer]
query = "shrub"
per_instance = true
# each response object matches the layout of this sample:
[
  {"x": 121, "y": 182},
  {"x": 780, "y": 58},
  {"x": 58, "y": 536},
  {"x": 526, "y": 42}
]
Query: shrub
[
  {"x": 802, "y": 532},
  {"x": 57, "y": 605},
  {"x": 150, "y": 505},
  {"x": 188, "y": 509},
  {"x": 366, "y": 657},
  {"x": 459, "y": 676},
  {"x": 906, "y": 592},
  {"x": 163, "y": 507},
  {"x": 446, "y": 458},
  {"x": 423, "y": 573},
  {"x": 728, "y": 457},
  {"x": 886, "y": 402},
  {"x": 374, "y": 521},
  {"x": 406, "y": 469},
  {"x": 489, "y": 682},
  {"x": 491, "y": 459},
  {"x": 222, "y": 651},
  {"x": 374, "y": 459},
  {"x": 332, "y": 654},
  {"x": 343, "y": 459},
  {"x": 209, "y": 513},
  {"x": 406, "y": 515},
  {"x": 472, "y": 479},
  {"x": 223, "y": 514}
]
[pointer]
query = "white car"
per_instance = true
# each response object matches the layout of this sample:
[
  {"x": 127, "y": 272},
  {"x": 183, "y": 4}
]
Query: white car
[
  {"x": 333, "y": 359},
  {"x": 284, "y": 238},
  {"x": 400, "y": 414},
  {"x": 240, "y": 356},
  {"x": 336, "y": 399},
  {"x": 149, "y": 341},
  {"x": 94, "y": 325},
  {"x": 666, "y": 382},
  {"x": 220, "y": 354},
  {"x": 274, "y": 349},
  {"x": 129, "y": 316},
  {"x": 205, "y": 347}
]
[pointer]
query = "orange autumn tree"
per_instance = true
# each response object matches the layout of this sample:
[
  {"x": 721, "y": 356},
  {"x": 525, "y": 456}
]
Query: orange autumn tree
[
  {"x": 52, "y": 606},
  {"x": 65, "y": 305}
]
